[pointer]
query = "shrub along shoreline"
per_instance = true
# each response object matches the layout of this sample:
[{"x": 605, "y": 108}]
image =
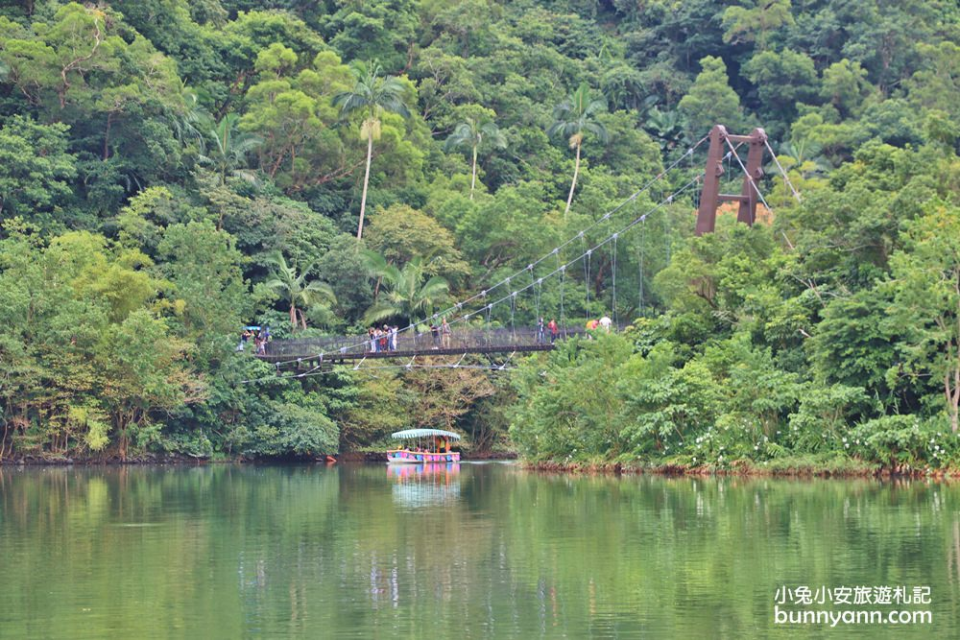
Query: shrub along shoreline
[
  {"x": 364, "y": 456},
  {"x": 641, "y": 402},
  {"x": 789, "y": 467}
]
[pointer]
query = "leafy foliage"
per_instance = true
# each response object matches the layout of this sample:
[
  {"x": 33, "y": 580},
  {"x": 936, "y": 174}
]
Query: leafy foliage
[{"x": 171, "y": 172}]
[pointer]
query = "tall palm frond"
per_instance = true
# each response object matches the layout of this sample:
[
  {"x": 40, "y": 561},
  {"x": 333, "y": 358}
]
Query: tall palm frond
[
  {"x": 668, "y": 127},
  {"x": 573, "y": 119},
  {"x": 372, "y": 93},
  {"x": 295, "y": 290},
  {"x": 474, "y": 134},
  {"x": 378, "y": 267},
  {"x": 192, "y": 124},
  {"x": 406, "y": 295},
  {"x": 229, "y": 149}
]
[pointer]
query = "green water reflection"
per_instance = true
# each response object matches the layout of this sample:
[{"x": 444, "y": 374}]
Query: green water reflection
[{"x": 455, "y": 551}]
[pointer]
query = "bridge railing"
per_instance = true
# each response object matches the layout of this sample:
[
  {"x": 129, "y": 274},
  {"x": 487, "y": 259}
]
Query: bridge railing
[{"x": 474, "y": 340}]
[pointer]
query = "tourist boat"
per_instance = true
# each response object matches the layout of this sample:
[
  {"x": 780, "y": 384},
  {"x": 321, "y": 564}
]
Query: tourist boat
[{"x": 421, "y": 446}]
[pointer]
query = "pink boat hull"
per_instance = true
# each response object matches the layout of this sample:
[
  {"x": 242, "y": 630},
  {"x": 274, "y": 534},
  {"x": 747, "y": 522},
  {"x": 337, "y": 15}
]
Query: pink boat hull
[{"x": 405, "y": 456}]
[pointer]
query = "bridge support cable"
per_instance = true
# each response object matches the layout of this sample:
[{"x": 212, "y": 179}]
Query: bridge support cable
[
  {"x": 643, "y": 237},
  {"x": 538, "y": 282},
  {"x": 559, "y": 271},
  {"x": 749, "y": 175},
  {"x": 687, "y": 155},
  {"x": 757, "y": 189},
  {"x": 616, "y": 319},
  {"x": 783, "y": 172},
  {"x": 563, "y": 273},
  {"x": 666, "y": 229},
  {"x": 488, "y": 326},
  {"x": 586, "y": 271},
  {"x": 538, "y": 288}
]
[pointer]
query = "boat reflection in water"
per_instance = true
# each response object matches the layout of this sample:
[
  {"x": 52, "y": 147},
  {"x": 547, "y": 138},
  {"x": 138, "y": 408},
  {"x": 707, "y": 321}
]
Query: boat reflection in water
[{"x": 425, "y": 485}]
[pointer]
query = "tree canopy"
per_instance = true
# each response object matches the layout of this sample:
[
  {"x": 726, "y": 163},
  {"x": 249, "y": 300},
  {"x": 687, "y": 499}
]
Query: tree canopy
[{"x": 171, "y": 172}]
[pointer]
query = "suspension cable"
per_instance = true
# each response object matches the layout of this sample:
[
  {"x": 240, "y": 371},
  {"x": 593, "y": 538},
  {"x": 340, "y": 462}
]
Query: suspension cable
[
  {"x": 539, "y": 281},
  {"x": 537, "y": 288},
  {"x": 643, "y": 235},
  {"x": 625, "y": 228},
  {"x": 563, "y": 273},
  {"x": 616, "y": 319},
  {"x": 750, "y": 179},
  {"x": 783, "y": 172},
  {"x": 586, "y": 273}
]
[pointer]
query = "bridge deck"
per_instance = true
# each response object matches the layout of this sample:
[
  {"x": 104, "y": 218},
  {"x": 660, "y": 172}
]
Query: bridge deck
[{"x": 407, "y": 345}]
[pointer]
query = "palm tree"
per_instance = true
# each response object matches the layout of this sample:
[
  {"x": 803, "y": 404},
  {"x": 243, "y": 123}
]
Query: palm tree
[
  {"x": 803, "y": 156},
  {"x": 623, "y": 85},
  {"x": 573, "y": 119},
  {"x": 474, "y": 133},
  {"x": 192, "y": 124},
  {"x": 404, "y": 294},
  {"x": 372, "y": 95},
  {"x": 230, "y": 148},
  {"x": 296, "y": 291},
  {"x": 668, "y": 127}
]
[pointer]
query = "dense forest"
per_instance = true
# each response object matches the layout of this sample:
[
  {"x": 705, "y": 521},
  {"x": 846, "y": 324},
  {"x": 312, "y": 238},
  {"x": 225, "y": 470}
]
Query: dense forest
[{"x": 172, "y": 171}]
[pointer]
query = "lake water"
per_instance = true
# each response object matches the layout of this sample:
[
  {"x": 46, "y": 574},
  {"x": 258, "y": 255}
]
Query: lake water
[{"x": 471, "y": 551}]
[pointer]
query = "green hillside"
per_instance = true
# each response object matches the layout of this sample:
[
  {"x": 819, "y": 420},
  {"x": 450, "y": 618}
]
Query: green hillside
[{"x": 173, "y": 171}]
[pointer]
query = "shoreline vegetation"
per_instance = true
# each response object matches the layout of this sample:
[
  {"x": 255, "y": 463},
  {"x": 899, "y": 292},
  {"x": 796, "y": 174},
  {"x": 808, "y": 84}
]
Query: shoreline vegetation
[
  {"x": 799, "y": 467},
  {"x": 177, "y": 176},
  {"x": 180, "y": 459},
  {"x": 789, "y": 467}
]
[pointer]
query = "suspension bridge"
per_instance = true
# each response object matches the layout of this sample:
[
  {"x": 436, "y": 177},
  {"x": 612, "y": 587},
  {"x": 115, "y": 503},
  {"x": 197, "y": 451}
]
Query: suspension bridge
[
  {"x": 340, "y": 349},
  {"x": 465, "y": 337}
]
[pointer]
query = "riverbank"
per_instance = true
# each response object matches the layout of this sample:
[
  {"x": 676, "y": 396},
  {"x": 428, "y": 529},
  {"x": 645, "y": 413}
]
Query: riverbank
[
  {"x": 797, "y": 466},
  {"x": 179, "y": 459},
  {"x": 146, "y": 459}
]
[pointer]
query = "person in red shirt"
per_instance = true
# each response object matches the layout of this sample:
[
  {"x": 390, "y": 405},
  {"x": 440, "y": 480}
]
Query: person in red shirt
[{"x": 554, "y": 330}]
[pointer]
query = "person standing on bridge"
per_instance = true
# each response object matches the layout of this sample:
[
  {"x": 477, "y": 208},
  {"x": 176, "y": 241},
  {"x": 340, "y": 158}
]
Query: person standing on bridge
[
  {"x": 541, "y": 337},
  {"x": 445, "y": 334},
  {"x": 554, "y": 330},
  {"x": 393, "y": 338},
  {"x": 435, "y": 332}
]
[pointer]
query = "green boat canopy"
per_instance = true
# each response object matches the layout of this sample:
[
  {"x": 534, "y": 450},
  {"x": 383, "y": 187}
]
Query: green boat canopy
[{"x": 424, "y": 433}]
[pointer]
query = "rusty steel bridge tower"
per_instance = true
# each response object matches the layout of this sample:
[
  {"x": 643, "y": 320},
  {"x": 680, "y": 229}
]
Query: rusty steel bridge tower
[{"x": 710, "y": 196}]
